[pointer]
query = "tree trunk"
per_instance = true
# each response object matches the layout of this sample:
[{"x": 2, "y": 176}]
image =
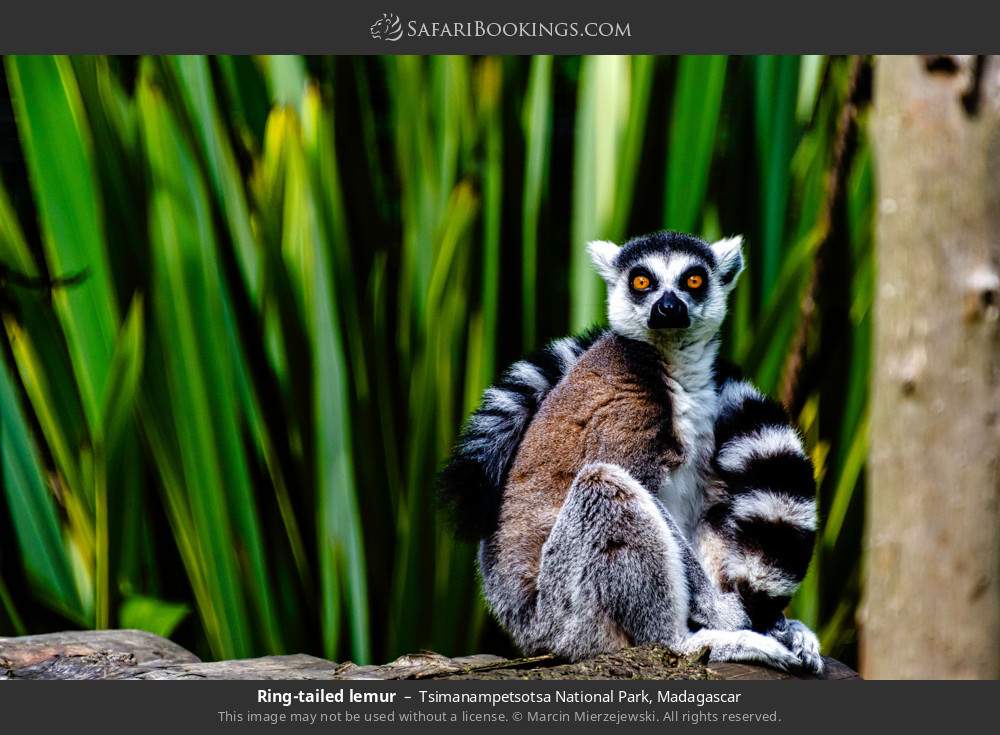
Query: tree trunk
[{"x": 932, "y": 598}]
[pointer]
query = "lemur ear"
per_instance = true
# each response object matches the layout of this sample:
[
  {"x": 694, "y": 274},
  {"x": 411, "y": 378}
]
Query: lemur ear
[
  {"x": 729, "y": 260},
  {"x": 603, "y": 254}
]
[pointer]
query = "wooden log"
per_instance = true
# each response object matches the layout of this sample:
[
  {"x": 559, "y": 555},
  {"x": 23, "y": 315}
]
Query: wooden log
[
  {"x": 133, "y": 654},
  {"x": 86, "y": 654}
]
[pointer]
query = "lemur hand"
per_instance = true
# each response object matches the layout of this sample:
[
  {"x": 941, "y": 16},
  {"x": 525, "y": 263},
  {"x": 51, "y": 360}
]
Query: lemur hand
[{"x": 801, "y": 641}]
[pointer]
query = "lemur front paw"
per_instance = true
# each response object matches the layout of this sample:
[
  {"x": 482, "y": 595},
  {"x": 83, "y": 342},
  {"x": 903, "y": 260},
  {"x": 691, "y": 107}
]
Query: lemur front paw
[
  {"x": 801, "y": 641},
  {"x": 744, "y": 646}
]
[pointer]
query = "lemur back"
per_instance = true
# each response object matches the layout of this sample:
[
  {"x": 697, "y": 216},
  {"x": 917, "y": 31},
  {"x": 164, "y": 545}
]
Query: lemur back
[
  {"x": 612, "y": 407},
  {"x": 471, "y": 485}
]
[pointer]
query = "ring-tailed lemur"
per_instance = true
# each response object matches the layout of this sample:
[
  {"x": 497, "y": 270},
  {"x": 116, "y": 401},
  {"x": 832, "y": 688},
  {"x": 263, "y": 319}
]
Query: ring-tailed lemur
[{"x": 627, "y": 489}]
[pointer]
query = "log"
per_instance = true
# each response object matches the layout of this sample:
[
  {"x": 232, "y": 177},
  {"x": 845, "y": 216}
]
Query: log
[
  {"x": 88, "y": 654},
  {"x": 135, "y": 654}
]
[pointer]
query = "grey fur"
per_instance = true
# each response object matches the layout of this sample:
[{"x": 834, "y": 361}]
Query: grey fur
[{"x": 615, "y": 569}]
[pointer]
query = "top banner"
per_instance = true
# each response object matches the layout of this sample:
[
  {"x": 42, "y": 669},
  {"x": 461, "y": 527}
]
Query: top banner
[{"x": 512, "y": 27}]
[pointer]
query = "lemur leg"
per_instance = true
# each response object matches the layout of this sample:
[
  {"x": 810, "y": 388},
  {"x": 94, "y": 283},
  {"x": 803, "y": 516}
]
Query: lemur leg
[
  {"x": 611, "y": 571},
  {"x": 615, "y": 570}
]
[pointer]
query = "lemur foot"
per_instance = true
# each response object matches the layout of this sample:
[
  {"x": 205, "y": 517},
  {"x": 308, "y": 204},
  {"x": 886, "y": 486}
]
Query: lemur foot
[
  {"x": 741, "y": 646},
  {"x": 801, "y": 641}
]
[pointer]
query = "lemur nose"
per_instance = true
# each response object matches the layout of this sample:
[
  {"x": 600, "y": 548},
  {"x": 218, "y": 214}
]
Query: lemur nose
[{"x": 669, "y": 313}]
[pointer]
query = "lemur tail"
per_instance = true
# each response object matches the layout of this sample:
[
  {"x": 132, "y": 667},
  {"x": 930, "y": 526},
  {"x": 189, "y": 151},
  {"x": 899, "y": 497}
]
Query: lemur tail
[
  {"x": 471, "y": 484},
  {"x": 769, "y": 511}
]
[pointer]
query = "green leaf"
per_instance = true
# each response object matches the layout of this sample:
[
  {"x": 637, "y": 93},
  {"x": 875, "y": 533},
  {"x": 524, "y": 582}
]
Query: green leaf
[
  {"x": 189, "y": 306},
  {"x": 641, "y": 80},
  {"x": 286, "y": 76},
  {"x": 246, "y": 93},
  {"x": 13, "y": 618},
  {"x": 14, "y": 251},
  {"x": 340, "y": 541},
  {"x": 775, "y": 96},
  {"x": 693, "y": 122},
  {"x": 150, "y": 614},
  {"x": 195, "y": 84},
  {"x": 489, "y": 95},
  {"x": 537, "y": 128},
  {"x": 847, "y": 482},
  {"x": 32, "y": 510},
  {"x": 123, "y": 375},
  {"x": 602, "y": 107},
  {"x": 319, "y": 145},
  {"x": 809, "y": 78},
  {"x": 56, "y": 143}
]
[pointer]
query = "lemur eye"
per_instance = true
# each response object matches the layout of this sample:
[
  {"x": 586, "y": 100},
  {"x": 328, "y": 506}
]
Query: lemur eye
[
  {"x": 640, "y": 283},
  {"x": 695, "y": 281}
]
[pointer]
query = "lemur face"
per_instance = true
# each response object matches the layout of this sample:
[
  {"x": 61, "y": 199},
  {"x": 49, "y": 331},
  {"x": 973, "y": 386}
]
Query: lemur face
[{"x": 667, "y": 286}]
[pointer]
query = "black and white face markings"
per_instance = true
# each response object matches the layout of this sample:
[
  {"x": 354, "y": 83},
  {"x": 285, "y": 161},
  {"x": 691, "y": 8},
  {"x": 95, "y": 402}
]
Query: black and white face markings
[{"x": 666, "y": 284}]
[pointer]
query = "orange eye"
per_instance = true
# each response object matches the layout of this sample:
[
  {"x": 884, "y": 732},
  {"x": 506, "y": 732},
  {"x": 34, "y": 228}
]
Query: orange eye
[
  {"x": 694, "y": 281},
  {"x": 640, "y": 283}
]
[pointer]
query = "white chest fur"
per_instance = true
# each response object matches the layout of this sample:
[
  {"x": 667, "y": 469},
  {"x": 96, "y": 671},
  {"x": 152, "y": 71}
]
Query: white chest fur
[{"x": 691, "y": 383}]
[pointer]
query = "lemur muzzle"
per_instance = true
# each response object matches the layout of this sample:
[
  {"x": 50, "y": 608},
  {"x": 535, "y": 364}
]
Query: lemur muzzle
[{"x": 669, "y": 313}]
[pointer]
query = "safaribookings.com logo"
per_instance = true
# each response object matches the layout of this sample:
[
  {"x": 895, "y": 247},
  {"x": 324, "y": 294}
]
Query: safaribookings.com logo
[
  {"x": 390, "y": 28},
  {"x": 387, "y": 28}
]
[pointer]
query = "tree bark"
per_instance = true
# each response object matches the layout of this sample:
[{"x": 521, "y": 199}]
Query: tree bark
[{"x": 932, "y": 594}]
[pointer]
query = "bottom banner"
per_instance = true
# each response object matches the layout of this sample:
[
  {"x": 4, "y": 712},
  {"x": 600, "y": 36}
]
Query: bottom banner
[{"x": 198, "y": 707}]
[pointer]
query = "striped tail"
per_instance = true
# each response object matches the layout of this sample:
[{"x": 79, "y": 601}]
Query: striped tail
[
  {"x": 471, "y": 484},
  {"x": 766, "y": 518}
]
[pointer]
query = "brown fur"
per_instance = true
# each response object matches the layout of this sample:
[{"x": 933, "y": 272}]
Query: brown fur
[{"x": 613, "y": 407}]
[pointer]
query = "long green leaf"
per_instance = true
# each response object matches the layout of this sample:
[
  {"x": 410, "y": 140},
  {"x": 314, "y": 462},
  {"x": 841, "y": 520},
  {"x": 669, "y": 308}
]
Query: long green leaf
[
  {"x": 10, "y": 611},
  {"x": 602, "y": 107},
  {"x": 696, "y": 106},
  {"x": 340, "y": 542},
  {"x": 490, "y": 98},
  {"x": 56, "y": 142},
  {"x": 776, "y": 95},
  {"x": 633, "y": 137},
  {"x": 537, "y": 128},
  {"x": 123, "y": 375},
  {"x": 190, "y": 308},
  {"x": 195, "y": 84},
  {"x": 32, "y": 509}
]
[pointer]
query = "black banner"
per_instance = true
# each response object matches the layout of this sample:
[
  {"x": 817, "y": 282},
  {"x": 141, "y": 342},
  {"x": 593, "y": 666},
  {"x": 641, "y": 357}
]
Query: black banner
[
  {"x": 219, "y": 706},
  {"x": 513, "y": 27}
]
